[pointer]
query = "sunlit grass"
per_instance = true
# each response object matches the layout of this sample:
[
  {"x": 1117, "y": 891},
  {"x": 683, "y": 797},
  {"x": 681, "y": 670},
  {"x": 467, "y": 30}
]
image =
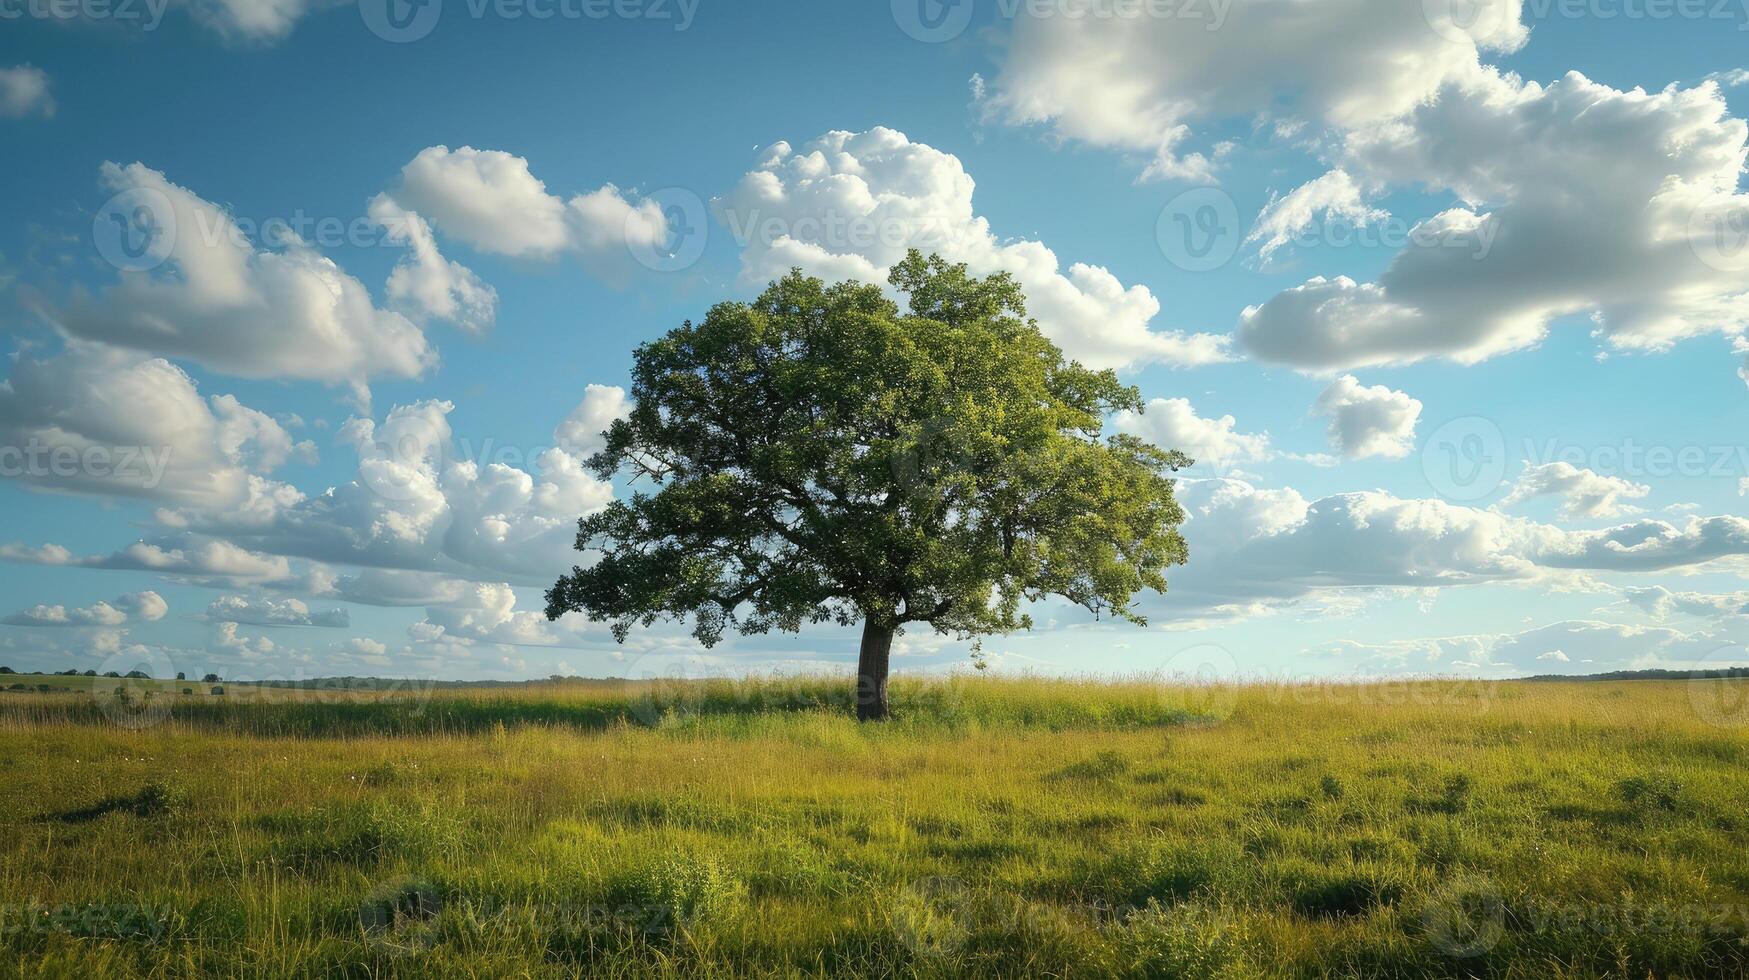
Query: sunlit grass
[{"x": 1004, "y": 827}]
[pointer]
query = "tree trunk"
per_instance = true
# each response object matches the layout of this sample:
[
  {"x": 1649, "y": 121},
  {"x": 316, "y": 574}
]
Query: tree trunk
[{"x": 871, "y": 671}]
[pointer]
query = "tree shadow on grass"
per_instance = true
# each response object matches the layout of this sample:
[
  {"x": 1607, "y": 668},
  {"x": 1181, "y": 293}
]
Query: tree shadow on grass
[{"x": 151, "y": 801}]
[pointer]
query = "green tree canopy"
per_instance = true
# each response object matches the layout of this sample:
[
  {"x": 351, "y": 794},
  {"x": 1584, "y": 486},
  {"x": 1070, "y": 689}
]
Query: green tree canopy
[{"x": 821, "y": 455}]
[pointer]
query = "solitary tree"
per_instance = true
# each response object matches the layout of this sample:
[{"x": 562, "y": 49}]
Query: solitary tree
[{"x": 820, "y": 455}]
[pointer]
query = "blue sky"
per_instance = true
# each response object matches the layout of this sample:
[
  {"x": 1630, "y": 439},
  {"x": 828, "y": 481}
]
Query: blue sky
[{"x": 1485, "y": 400}]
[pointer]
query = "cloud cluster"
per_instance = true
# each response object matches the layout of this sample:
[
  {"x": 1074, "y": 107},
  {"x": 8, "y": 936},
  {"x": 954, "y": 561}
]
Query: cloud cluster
[
  {"x": 1334, "y": 196},
  {"x": 254, "y": 21},
  {"x": 1365, "y": 421},
  {"x": 1574, "y": 198},
  {"x": 98, "y": 420},
  {"x": 581, "y": 432},
  {"x": 24, "y": 91},
  {"x": 848, "y": 205},
  {"x": 1171, "y": 423},
  {"x": 179, "y": 556},
  {"x": 425, "y": 284},
  {"x": 488, "y": 614},
  {"x": 1647, "y": 545},
  {"x": 1140, "y": 82},
  {"x": 1255, "y": 549},
  {"x": 219, "y": 299},
  {"x": 1566, "y": 647},
  {"x": 1578, "y": 199},
  {"x": 1582, "y": 492},
  {"x": 424, "y": 527},
  {"x": 492, "y": 201},
  {"x": 1661, "y": 603},
  {"x": 264, "y": 611},
  {"x": 414, "y": 505},
  {"x": 416, "y": 515},
  {"x": 135, "y": 607}
]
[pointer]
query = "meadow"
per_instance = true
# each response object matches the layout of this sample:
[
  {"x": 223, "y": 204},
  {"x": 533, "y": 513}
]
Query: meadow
[{"x": 1000, "y": 827}]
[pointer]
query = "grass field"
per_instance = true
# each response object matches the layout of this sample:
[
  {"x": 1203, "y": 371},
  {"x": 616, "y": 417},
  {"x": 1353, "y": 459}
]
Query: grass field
[{"x": 998, "y": 827}]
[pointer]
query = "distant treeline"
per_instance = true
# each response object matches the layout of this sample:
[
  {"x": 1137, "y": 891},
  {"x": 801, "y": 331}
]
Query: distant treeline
[
  {"x": 1648, "y": 675},
  {"x": 396, "y": 684},
  {"x": 405, "y": 683}
]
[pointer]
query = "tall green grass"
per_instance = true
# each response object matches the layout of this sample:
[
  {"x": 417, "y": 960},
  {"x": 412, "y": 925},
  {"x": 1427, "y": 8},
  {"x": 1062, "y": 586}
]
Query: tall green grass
[
  {"x": 999, "y": 828},
  {"x": 725, "y": 705}
]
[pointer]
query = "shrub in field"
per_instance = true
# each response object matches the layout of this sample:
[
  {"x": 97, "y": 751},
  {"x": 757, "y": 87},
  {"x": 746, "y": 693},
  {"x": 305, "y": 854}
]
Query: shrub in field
[
  {"x": 1104, "y": 766},
  {"x": 1327, "y": 892},
  {"x": 686, "y": 887},
  {"x": 363, "y": 833},
  {"x": 1188, "y": 940},
  {"x": 1650, "y": 795},
  {"x": 1454, "y": 797}
]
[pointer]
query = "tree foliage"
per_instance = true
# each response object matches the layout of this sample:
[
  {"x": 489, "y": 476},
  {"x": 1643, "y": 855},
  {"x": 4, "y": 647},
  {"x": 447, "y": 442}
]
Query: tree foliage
[{"x": 821, "y": 454}]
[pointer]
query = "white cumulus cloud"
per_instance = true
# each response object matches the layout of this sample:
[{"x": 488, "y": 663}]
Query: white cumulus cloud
[
  {"x": 135, "y": 607},
  {"x": 24, "y": 91},
  {"x": 1369, "y": 421},
  {"x": 1583, "y": 493},
  {"x": 220, "y": 300},
  {"x": 1171, "y": 423},
  {"x": 848, "y": 205}
]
